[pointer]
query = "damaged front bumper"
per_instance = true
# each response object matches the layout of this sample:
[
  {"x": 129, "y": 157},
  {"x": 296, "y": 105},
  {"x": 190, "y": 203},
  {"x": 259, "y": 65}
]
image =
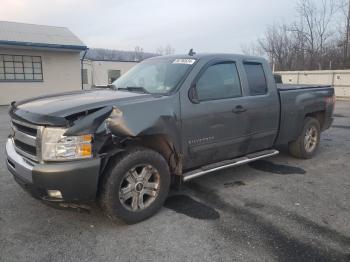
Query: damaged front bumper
[{"x": 76, "y": 181}]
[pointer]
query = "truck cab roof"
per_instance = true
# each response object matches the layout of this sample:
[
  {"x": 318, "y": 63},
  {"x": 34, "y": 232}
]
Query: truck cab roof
[{"x": 209, "y": 56}]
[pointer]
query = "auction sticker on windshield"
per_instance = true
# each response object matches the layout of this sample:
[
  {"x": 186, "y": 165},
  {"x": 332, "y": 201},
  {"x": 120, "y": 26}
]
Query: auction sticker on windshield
[{"x": 184, "y": 61}]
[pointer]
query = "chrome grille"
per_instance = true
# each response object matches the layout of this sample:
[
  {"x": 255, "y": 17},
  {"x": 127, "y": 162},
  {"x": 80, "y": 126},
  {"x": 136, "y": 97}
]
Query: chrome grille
[
  {"x": 26, "y": 139},
  {"x": 25, "y": 127}
]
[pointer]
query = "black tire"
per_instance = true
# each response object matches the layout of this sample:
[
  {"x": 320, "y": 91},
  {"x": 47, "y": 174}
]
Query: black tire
[
  {"x": 113, "y": 179},
  {"x": 298, "y": 148}
]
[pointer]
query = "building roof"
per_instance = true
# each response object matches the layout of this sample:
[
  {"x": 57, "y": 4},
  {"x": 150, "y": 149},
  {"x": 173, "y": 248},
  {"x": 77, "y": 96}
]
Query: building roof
[{"x": 38, "y": 36}]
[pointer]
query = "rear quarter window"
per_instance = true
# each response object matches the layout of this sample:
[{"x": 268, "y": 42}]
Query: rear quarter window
[{"x": 256, "y": 79}]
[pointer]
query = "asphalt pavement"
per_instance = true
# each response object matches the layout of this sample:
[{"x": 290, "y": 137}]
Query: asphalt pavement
[{"x": 277, "y": 209}]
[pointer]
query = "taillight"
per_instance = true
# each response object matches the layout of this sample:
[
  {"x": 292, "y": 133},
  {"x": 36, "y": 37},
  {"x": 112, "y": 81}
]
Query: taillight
[{"x": 330, "y": 100}]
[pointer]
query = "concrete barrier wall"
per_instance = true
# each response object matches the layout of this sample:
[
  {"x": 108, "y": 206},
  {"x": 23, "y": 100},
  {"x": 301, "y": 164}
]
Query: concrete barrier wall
[{"x": 340, "y": 79}]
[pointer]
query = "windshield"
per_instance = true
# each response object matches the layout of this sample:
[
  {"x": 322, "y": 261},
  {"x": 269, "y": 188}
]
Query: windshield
[{"x": 154, "y": 76}]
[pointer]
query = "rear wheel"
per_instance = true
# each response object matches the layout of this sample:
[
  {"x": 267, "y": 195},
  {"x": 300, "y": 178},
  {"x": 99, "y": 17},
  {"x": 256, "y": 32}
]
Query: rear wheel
[
  {"x": 136, "y": 186},
  {"x": 305, "y": 146}
]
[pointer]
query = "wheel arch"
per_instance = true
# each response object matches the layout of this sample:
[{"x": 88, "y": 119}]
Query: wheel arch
[
  {"x": 319, "y": 116},
  {"x": 160, "y": 143}
]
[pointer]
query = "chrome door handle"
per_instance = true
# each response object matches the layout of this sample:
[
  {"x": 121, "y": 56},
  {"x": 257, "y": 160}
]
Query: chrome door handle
[{"x": 238, "y": 109}]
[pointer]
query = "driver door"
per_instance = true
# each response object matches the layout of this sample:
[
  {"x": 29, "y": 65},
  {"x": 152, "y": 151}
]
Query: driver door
[{"x": 214, "y": 120}]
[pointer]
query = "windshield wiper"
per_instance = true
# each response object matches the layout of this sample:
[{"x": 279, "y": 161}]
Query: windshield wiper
[{"x": 138, "y": 89}]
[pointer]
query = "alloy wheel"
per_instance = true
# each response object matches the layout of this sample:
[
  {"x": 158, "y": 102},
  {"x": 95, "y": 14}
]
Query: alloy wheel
[
  {"x": 310, "y": 139},
  {"x": 139, "y": 187}
]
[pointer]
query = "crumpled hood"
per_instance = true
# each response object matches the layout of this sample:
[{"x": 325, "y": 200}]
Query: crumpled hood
[
  {"x": 122, "y": 113},
  {"x": 64, "y": 104}
]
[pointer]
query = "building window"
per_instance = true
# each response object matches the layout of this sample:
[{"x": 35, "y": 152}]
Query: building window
[
  {"x": 84, "y": 74},
  {"x": 20, "y": 68},
  {"x": 113, "y": 75}
]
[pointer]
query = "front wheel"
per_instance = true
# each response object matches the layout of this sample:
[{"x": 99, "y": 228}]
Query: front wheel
[
  {"x": 136, "y": 186},
  {"x": 305, "y": 146}
]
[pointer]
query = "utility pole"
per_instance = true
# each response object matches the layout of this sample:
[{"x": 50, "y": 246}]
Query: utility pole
[{"x": 346, "y": 51}]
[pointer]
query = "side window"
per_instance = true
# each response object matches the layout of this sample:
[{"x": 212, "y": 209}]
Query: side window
[
  {"x": 219, "y": 81},
  {"x": 256, "y": 78}
]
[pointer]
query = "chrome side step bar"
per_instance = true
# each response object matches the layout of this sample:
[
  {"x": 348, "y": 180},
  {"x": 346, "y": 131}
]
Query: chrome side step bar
[{"x": 228, "y": 163}]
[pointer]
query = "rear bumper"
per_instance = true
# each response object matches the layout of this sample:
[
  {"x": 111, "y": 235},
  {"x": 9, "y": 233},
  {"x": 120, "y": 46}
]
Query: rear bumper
[{"x": 76, "y": 180}]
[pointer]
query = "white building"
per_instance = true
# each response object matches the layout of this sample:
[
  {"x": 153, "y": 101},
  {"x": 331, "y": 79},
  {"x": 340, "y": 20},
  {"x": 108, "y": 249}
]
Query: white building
[
  {"x": 102, "y": 73},
  {"x": 37, "y": 60}
]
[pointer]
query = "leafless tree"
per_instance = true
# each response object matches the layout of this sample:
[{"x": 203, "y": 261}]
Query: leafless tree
[
  {"x": 278, "y": 44},
  {"x": 139, "y": 54},
  {"x": 117, "y": 55},
  {"x": 167, "y": 50},
  {"x": 315, "y": 28},
  {"x": 344, "y": 32},
  {"x": 253, "y": 49},
  {"x": 311, "y": 42}
]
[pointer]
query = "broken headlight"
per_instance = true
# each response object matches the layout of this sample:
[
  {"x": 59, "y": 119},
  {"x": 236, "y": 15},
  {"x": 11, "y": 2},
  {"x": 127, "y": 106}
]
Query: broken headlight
[{"x": 55, "y": 146}]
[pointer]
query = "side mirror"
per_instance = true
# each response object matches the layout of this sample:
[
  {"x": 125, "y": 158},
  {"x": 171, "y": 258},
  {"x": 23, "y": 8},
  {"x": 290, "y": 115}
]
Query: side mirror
[
  {"x": 111, "y": 86},
  {"x": 104, "y": 87},
  {"x": 192, "y": 94}
]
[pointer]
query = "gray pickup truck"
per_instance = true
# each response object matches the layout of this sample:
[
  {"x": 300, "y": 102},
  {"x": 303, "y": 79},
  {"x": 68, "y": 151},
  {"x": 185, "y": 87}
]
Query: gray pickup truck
[{"x": 168, "y": 120}]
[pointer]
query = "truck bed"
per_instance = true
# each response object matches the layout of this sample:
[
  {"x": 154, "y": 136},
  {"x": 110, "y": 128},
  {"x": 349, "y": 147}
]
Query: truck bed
[{"x": 296, "y": 101}]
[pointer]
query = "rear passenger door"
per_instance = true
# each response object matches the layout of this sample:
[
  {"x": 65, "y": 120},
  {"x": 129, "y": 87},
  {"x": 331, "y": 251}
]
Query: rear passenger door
[{"x": 262, "y": 104}]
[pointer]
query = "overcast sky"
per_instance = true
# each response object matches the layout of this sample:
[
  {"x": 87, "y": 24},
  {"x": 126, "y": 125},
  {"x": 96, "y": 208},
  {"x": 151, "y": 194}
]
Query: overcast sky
[{"x": 207, "y": 26}]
